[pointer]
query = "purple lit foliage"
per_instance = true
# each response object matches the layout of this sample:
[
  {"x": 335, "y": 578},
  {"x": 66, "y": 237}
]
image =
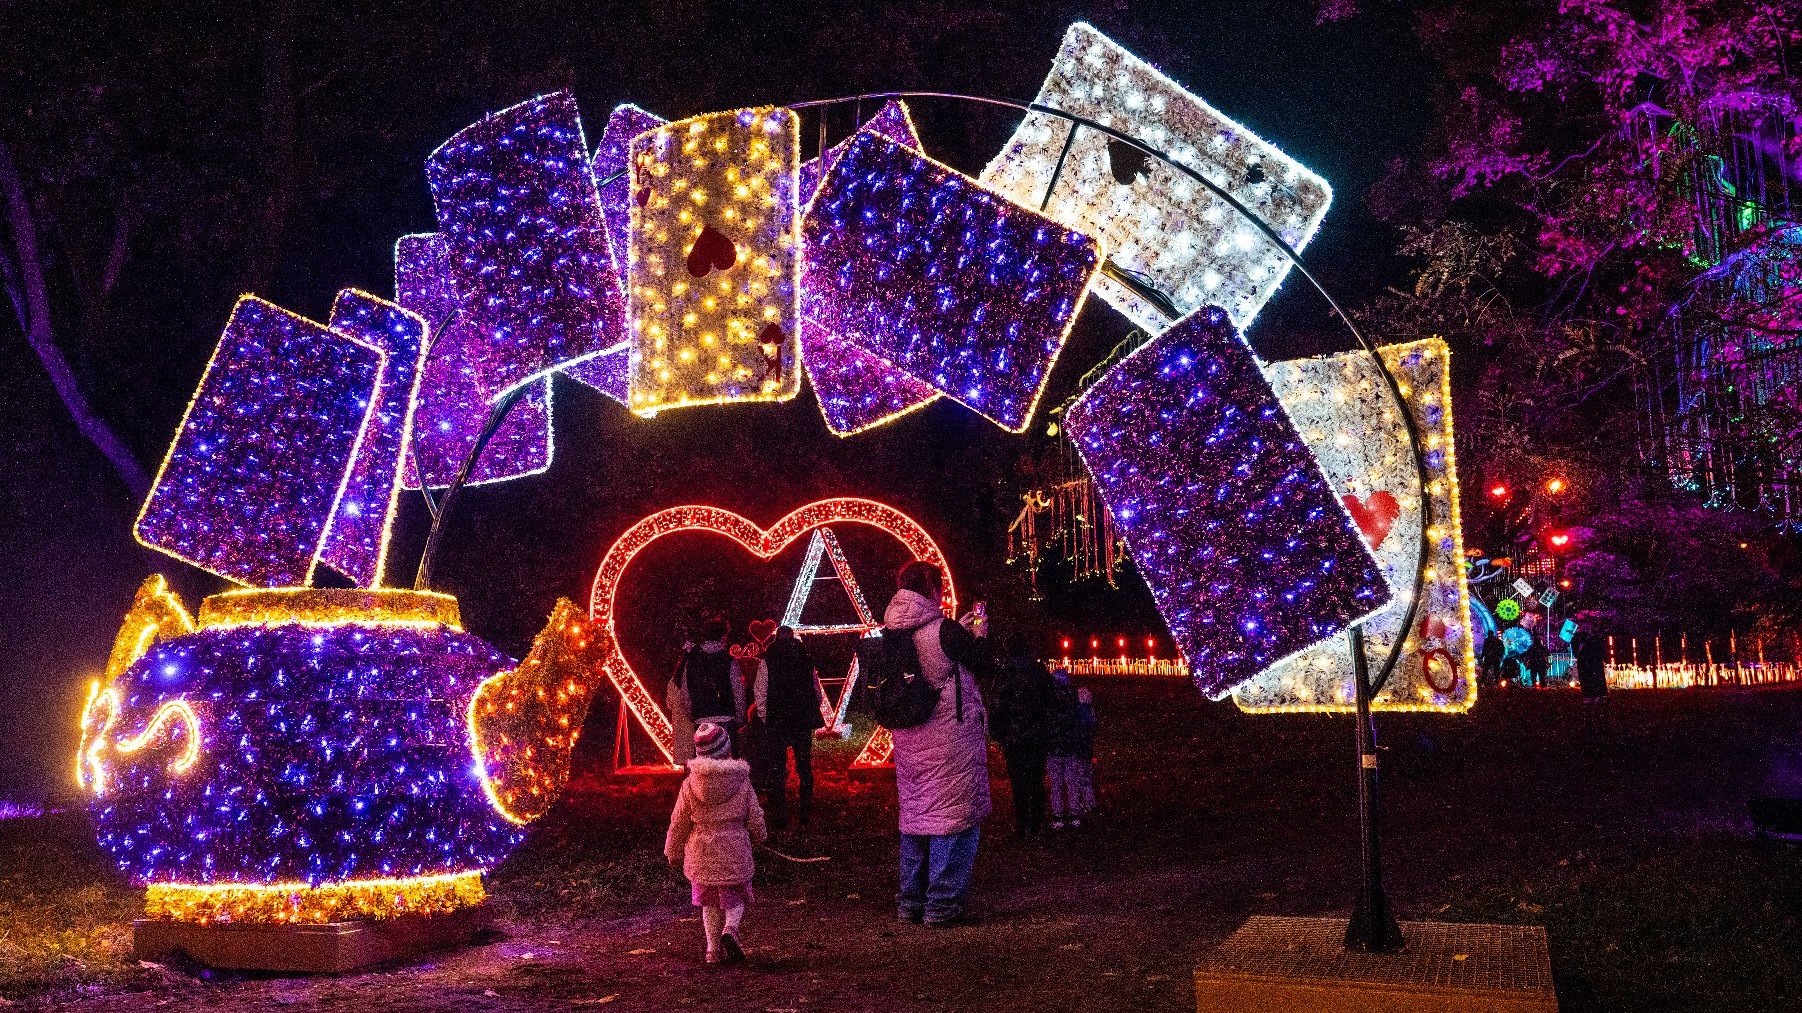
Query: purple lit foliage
[
  {"x": 356, "y": 543},
  {"x": 612, "y": 160},
  {"x": 856, "y": 390},
  {"x": 520, "y": 216},
  {"x": 891, "y": 121},
  {"x": 327, "y": 754},
  {"x": 962, "y": 289},
  {"x": 255, "y": 471},
  {"x": 1246, "y": 550},
  {"x": 454, "y": 392}
]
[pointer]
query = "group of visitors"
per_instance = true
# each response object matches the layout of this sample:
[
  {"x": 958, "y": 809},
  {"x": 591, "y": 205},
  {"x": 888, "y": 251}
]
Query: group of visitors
[
  {"x": 1497, "y": 666},
  {"x": 784, "y": 710},
  {"x": 1046, "y": 728},
  {"x": 1045, "y": 725}
]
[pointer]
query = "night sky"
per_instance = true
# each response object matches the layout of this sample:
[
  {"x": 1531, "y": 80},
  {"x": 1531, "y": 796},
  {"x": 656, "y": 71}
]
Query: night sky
[{"x": 165, "y": 117}]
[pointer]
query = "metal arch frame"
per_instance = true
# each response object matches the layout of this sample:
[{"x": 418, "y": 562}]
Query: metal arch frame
[{"x": 1372, "y": 926}]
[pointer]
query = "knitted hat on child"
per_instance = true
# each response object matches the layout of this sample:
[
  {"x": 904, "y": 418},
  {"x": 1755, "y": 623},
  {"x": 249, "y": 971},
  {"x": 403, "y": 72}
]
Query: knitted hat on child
[{"x": 712, "y": 741}]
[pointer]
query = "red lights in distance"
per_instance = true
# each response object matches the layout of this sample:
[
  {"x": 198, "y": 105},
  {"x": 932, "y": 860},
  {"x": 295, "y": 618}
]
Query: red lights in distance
[
  {"x": 1499, "y": 491},
  {"x": 1555, "y": 485},
  {"x": 1559, "y": 540},
  {"x": 1121, "y": 641}
]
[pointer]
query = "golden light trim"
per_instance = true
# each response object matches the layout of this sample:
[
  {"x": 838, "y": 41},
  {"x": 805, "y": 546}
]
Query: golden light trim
[
  {"x": 90, "y": 772},
  {"x": 96, "y": 735},
  {"x": 523, "y": 723},
  {"x": 155, "y": 614},
  {"x": 319, "y": 606},
  {"x": 171, "y": 711},
  {"x": 1354, "y": 400},
  {"x": 307, "y": 904}
]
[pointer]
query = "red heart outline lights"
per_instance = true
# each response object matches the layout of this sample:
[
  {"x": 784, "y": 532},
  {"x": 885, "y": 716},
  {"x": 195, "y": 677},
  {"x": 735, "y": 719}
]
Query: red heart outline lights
[
  {"x": 761, "y": 543},
  {"x": 1375, "y": 514}
]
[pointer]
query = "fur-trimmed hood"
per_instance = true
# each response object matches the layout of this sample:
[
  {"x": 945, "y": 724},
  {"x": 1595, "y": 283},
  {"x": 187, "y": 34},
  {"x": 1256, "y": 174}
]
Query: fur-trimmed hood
[{"x": 714, "y": 782}]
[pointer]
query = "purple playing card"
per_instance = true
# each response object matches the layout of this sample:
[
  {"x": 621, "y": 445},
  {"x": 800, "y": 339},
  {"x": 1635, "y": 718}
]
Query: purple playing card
[
  {"x": 1246, "y": 549},
  {"x": 612, "y": 160},
  {"x": 964, "y": 290},
  {"x": 453, "y": 399},
  {"x": 257, "y": 467},
  {"x": 356, "y": 544},
  {"x": 857, "y": 390},
  {"x": 520, "y": 216}
]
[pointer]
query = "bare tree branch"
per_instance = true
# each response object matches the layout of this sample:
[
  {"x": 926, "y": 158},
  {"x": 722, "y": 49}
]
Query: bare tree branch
[{"x": 27, "y": 275}]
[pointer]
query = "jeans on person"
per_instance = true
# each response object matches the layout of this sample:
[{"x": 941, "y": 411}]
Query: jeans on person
[
  {"x": 1026, "y": 773},
  {"x": 780, "y": 742},
  {"x": 935, "y": 875},
  {"x": 1072, "y": 787}
]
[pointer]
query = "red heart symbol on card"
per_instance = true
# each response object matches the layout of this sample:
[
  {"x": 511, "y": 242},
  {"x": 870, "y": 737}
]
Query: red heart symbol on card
[
  {"x": 771, "y": 339},
  {"x": 1374, "y": 515},
  {"x": 759, "y": 542},
  {"x": 712, "y": 251}
]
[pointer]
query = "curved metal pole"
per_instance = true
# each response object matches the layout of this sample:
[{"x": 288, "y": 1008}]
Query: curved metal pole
[{"x": 422, "y": 581}]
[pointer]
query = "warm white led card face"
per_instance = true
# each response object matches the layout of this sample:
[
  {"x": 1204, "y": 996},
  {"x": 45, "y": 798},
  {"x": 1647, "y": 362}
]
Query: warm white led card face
[{"x": 1169, "y": 233}]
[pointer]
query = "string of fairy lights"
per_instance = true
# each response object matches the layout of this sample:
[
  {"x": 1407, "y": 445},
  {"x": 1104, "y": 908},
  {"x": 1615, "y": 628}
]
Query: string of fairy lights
[{"x": 301, "y": 753}]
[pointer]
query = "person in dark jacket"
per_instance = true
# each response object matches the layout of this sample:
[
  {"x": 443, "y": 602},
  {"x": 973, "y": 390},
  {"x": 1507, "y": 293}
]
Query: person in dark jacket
[
  {"x": 1491, "y": 670},
  {"x": 1066, "y": 743},
  {"x": 1019, "y": 721},
  {"x": 706, "y": 681},
  {"x": 1592, "y": 666},
  {"x": 1539, "y": 661},
  {"x": 789, "y": 704}
]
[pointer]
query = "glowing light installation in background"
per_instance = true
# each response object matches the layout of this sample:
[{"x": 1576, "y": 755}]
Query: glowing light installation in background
[
  {"x": 299, "y": 741},
  {"x": 254, "y": 474},
  {"x": 714, "y": 260},
  {"x": 461, "y": 373},
  {"x": 520, "y": 216},
  {"x": 857, "y": 390},
  {"x": 1246, "y": 551},
  {"x": 824, "y": 546},
  {"x": 1343, "y": 411},
  {"x": 960, "y": 288},
  {"x": 356, "y": 544},
  {"x": 759, "y": 542},
  {"x": 1155, "y": 222}
]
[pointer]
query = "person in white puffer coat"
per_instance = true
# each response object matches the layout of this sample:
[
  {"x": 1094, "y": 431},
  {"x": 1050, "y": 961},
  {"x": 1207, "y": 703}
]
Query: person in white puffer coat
[{"x": 941, "y": 766}]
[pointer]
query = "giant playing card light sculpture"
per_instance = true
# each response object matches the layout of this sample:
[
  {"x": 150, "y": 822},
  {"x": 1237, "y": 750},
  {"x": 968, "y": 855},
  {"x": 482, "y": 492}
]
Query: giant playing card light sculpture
[
  {"x": 1340, "y": 406},
  {"x": 1248, "y": 553},
  {"x": 1159, "y": 225},
  {"x": 256, "y": 469},
  {"x": 966, "y": 291}
]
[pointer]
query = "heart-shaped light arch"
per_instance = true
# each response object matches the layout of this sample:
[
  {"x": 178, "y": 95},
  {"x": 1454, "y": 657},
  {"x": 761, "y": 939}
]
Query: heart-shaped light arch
[{"x": 760, "y": 542}]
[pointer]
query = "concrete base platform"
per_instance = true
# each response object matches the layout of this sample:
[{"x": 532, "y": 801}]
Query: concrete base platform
[
  {"x": 1297, "y": 964},
  {"x": 307, "y": 949}
]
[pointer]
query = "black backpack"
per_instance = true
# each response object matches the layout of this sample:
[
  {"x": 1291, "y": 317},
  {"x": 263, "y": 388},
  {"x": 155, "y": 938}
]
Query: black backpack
[{"x": 897, "y": 690}]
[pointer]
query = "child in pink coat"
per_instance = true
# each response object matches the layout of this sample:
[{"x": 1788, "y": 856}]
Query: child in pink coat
[{"x": 716, "y": 821}]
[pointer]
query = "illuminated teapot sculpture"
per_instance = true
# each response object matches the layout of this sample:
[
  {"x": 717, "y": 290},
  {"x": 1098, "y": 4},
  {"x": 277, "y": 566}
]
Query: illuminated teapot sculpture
[{"x": 318, "y": 754}]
